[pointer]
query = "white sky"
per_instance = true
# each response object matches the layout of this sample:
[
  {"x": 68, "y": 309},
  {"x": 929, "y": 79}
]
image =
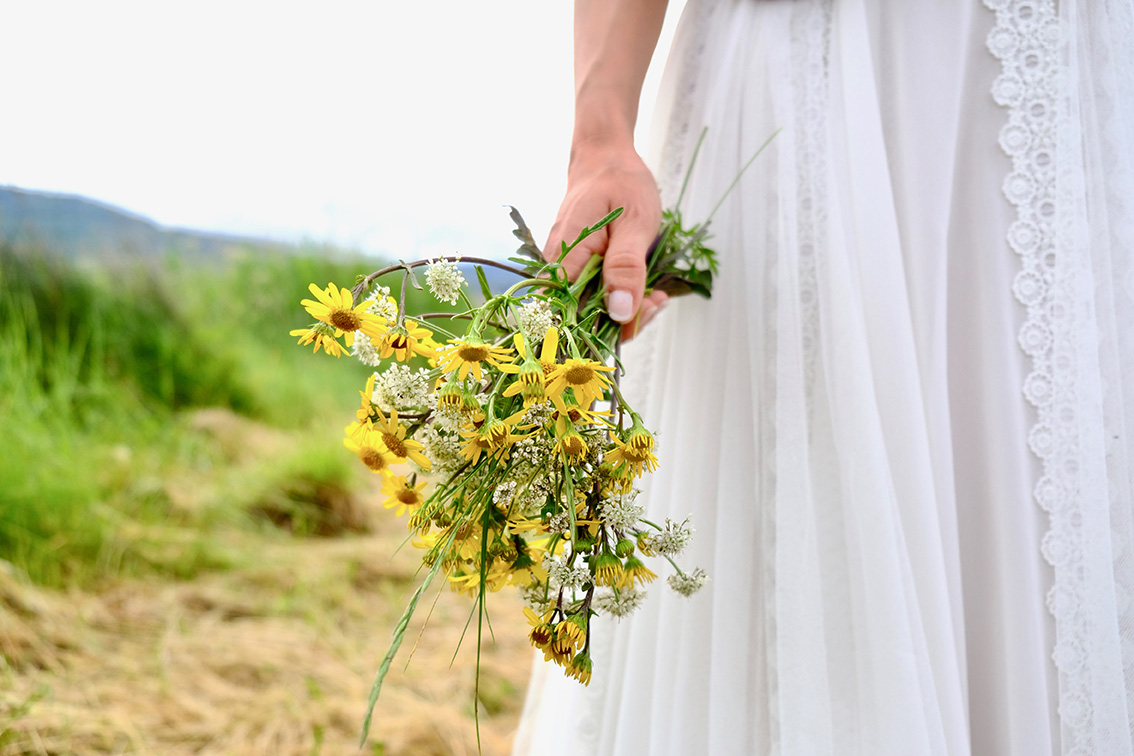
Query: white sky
[{"x": 393, "y": 127}]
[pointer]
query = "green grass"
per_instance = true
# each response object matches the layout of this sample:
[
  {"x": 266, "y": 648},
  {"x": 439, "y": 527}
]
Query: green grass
[{"x": 100, "y": 371}]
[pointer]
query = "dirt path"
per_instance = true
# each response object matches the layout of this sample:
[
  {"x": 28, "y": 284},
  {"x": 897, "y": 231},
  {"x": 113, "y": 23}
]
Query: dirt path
[{"x": 273, "y": 659}]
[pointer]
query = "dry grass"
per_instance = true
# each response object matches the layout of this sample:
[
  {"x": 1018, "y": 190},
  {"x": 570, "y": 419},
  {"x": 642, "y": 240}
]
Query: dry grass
[{"x": 276, "y": 657}]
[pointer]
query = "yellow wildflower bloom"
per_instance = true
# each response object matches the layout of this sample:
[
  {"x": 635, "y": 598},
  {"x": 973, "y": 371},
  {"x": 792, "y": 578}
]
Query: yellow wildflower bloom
[
  {"x": 317, "y": 337},
  {"x": 631, "y": 457},
  {"x": 584, "y": 377},
  {"x": 533, "y": 372},
  {"x": 450, "y": 396},
  {"x": 370, "y": 449},
  {"x": 633, "y": 570},
  {"x": 580, "y": 669},
  {"x": 541, "y": 633},
  {"x": 570, "y": 632},
  {"x": 403, "y": 496},
  {"x": 393, "y": 435},
  {"x": 608, "y": 568},
  {"x": 494, "y": 437},
  {"x": 553, "y": 654},
  {"x": 336, "y": 308},
  {"x": 574, "y": 415},
  {"x": 367, "y": 408},
  {"x": 572, "y": 444},
  {"x": 467, "y": 356},
  {"x": 406, "y": 340}
]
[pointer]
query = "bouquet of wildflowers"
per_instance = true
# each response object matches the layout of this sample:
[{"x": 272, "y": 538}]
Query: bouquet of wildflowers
[{"x": 506, "y": 443}]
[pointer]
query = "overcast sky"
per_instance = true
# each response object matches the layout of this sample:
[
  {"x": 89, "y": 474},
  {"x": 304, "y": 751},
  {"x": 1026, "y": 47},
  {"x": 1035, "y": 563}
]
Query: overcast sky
[{"x": 398, "y": 128}]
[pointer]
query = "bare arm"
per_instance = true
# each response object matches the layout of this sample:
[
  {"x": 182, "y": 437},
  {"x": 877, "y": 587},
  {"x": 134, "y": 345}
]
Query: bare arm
[{"x": 614, "y": 41}]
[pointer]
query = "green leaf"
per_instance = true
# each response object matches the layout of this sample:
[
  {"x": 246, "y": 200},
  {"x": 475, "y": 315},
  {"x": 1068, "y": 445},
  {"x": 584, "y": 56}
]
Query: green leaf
[
  {"x": 484, "y": 288},
  {"x": 528, "y": 247}
]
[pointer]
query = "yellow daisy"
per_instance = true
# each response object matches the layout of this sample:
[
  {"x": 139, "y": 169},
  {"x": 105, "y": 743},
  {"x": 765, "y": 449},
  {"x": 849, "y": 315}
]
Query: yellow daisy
[
  {"x": 403, "y": 496},
  {"x": 574, "y": 416},
  {"x": 580, "y": 669},
  {"x": 533, "y": 372},
  {"x": 370, "y": 449},
  {"x": 494, "y": 437},
  {"x": 571, "y": 444},
  {"x": 336, "y": 308},
  {"x": 607, "y": 567},
  {"x": 633, "y": 570},
  {"x": 630, "y": 458},
  {"x": 364, "y": 412},
  {"x": 393, "y": 435},
  {"x": 406, "y": 340},
  {"x": 319, "y": 338},
  {"x": 541, "y": 632},
  {"x": 466, "y": 356},
  {"x": 584, "y": 377}
]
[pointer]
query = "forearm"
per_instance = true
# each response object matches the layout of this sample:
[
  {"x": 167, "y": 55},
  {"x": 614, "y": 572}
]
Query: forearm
[{"x": 614, "y": 41}]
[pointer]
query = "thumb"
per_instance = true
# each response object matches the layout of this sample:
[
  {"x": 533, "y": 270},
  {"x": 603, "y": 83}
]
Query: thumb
[{"x": 624, "y": 268}]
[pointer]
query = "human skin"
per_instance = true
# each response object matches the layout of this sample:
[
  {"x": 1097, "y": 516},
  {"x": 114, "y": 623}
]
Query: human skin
[{"x": 614, "y": 41}]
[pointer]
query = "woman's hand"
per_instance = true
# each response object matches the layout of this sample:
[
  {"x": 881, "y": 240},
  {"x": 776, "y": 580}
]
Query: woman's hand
[{"x": 599, "y": 180}]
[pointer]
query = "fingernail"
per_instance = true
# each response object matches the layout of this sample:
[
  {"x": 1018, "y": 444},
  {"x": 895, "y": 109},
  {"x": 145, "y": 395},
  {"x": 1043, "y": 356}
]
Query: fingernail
[
  {"x": 620, "y": 304},
  {"x": 648, "y": 312}
]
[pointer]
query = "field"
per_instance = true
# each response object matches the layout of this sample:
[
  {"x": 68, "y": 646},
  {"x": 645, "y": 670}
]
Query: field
[{"x": 192, "y": 563}]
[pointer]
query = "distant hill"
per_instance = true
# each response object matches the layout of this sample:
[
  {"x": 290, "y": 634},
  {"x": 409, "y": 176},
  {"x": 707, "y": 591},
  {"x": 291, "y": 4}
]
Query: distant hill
[{"x": 77, "y": 227}]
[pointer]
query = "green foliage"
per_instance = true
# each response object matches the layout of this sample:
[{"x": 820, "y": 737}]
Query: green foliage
[{"x": 100, "y": 369}]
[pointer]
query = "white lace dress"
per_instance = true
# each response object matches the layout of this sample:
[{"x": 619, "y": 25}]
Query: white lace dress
[{"x": 903, "y": 423}]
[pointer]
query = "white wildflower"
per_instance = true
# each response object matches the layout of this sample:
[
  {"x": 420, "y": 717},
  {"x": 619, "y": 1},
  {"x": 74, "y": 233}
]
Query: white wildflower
[
  {"x": 383, "y": 305},
  {"x": 442, "y": 449},
  {"x": 559, "y": 523},
  {"x": 672, "y": 539},
  {"x": 535, "y": 317},
  {"x": 688, "y": 583},
  {"x": 445, "y": 280},
  {"x": 401, "y": 388},
  {"x": 562, "y": 575},
  {"x": 537, "y": 414},
  {"x": 535, "y": 449},
  {"x": 534, "y": 597},
  {"x": 534, "y": 497},
  {"x": 503, "y": 494},
  {"x": 620, "y": 604},
  {"x": 619, "y": 511},
  {"x": 363, "y": 348}
]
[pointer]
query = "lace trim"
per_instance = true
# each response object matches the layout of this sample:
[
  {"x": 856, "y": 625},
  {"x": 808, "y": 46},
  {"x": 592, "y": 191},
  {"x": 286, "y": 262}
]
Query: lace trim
[{"x": 1028, "y": 41}]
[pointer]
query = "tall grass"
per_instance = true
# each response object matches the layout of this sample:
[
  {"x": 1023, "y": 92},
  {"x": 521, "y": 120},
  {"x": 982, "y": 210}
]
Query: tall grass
[{"x": 98, "y": 368}]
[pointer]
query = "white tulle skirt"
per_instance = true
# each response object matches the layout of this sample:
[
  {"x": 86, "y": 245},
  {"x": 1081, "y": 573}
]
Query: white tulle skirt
[{"x": 900, "y": 424}]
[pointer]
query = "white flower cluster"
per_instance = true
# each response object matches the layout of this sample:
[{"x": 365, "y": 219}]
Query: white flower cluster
[
  {"x": 363, "y": 348},
  {"x": 445, "y": 280},
  {"x": 535, "y": 317},
  {"x": 535, "y": 450},
  {"x": 442, "y": 449},
  {"x": 537, "y": 414},
  {"x": 401, "y": 388},
  {"x": 534, "y": 597},
  {"x": 619, "y": 510},
  {"x": 672, "y": 539},
  {"x": 534, "y": 497},
  {"x": 384, "y": 305},
  {"x": 503, "y": 494},
  {"x": 622, "y": 604},
  {"x": 559, "y": 522},
  {"x": 687, "y": 583},
  {"x": 562, "y": 575}
]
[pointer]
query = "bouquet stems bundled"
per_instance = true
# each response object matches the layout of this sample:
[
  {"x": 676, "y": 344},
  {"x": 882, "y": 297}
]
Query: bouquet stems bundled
[{"x": 511, "y": 451}]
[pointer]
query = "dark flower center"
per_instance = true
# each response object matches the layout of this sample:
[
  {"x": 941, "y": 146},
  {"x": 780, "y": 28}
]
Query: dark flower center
[{"x": 345, "y": 320}]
